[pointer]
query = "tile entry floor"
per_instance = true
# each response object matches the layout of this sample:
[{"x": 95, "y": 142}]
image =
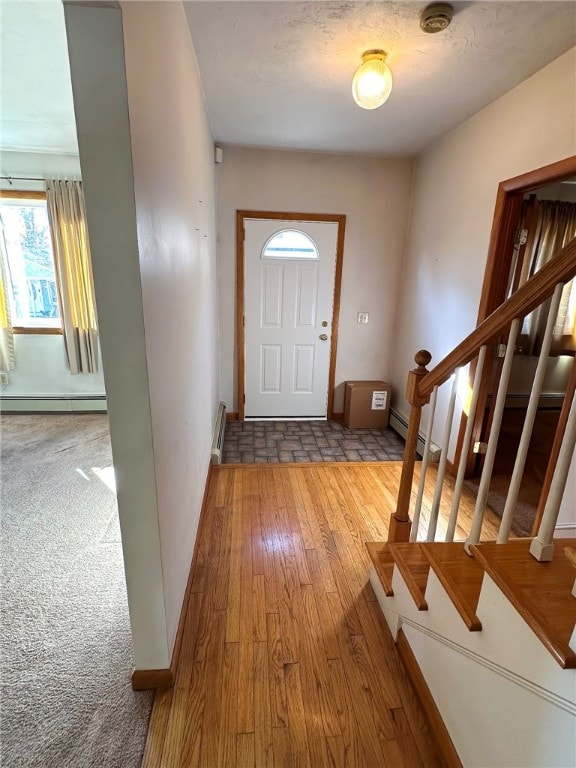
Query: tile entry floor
[{"x": 270, "y": 442}]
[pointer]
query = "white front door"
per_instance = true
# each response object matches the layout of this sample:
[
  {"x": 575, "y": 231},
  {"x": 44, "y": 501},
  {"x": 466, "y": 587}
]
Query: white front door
[{"x": 289, "y": 271}]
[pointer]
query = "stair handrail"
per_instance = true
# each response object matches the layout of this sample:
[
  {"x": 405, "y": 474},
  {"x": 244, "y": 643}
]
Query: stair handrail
[
  {"x": 421, "y": 382},
  {"x": 538, "y": 288}
]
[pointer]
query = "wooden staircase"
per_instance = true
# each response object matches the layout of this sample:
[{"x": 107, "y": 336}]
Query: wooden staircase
[
  {"x": 416, "y": 581},
  {"x": 488, "y": 629},
  {"x": 540, "y": 592}
]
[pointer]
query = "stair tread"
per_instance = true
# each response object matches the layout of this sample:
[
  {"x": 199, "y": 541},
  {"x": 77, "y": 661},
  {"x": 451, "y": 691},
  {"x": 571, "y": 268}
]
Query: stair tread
[
  {"x": 540, "y": 592},
  {"x": 414, "y": 567},
  {"x": 460, "y": 575},
  {"x": 383, "y": 564}
]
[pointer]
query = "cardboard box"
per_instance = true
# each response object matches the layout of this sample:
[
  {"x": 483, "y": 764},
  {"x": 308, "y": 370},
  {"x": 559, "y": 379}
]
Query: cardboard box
[{"x": 366, "y": 404}]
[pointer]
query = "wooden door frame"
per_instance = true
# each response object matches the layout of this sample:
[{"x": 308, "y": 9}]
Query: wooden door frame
[
  {"x": 500, "y": 251},
  {"x": 241, "y": 215}
]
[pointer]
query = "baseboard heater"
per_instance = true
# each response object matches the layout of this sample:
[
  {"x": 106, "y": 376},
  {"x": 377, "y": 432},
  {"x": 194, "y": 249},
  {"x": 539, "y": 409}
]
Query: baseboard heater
[
  {"x": 52, "y": 403},
  {"x": 218, "y": 439},
  {"x": 399, "y": 424}
]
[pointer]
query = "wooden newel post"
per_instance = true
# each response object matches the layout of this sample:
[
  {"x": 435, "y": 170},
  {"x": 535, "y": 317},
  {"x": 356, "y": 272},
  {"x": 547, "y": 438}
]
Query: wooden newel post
[{"x": 400, "y": 522}]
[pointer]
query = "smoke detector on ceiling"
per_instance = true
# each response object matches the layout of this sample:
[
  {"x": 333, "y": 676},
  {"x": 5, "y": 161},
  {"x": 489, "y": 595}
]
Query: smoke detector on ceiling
[{"x": 436, "y": 17}]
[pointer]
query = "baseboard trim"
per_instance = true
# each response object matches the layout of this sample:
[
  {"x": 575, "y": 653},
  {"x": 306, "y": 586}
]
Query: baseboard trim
[
  {"x": 551, "y": 401},
  {"x": 338, "y": 416},
  {"x": 443, "y": 740},
  {"x": 144, "y": 679},
  {"x": 565, "y": 531}
]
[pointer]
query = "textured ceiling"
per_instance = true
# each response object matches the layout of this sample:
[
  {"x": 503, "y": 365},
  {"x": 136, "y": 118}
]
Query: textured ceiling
[
  {"x": 278, "y": 74},
  {"x": 36, "y": 108}
]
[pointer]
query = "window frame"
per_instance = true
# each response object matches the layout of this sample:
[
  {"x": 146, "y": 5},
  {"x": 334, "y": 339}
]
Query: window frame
[
  {"x": 284, "y": 230},
  {"x": 8, "y": 194}
]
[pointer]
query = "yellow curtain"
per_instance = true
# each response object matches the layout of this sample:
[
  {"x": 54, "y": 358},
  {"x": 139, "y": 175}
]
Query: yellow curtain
[
  {"x": 67, "y": 216},
  {"x": 6, "y": 334},
  {"x": 555, "y": 228}
]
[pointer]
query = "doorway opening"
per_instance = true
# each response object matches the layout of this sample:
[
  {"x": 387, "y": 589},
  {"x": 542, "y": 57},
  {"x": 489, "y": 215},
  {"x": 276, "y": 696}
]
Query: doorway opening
[{"x": 515, "y": 253}]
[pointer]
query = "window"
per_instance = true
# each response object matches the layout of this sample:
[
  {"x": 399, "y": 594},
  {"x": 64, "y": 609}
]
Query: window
[
  {"x": 27, "y": 252},
  {"x": 289, "y": 244}
]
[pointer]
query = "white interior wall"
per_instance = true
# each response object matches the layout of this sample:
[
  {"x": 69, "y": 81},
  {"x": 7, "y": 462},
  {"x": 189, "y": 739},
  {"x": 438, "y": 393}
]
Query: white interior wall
[
  {"x": 40, "y": 360},
  {"x": 455, "y": 187},
  {"x": 555, "y": 378},
  {"x": 567, "y": 517},
  {"x": 374, "y": 194},
  {"x": 146, "y": 156},
  {"x": 562, "y": 190},
  {"x": 173, "y": 156},
  {"x": 41, "y": 370},
  {"x": 42, "y": 165},
  {"x": 96, "y": 50}
]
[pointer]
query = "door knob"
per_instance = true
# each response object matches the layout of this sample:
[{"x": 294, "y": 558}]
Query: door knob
[{"x": 323, "y": 337}]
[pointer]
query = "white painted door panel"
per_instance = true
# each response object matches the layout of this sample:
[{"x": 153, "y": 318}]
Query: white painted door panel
[{"x": 286, "y": 300}]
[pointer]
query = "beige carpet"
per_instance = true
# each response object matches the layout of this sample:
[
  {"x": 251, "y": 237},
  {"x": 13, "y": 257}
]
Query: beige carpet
[
  {"x": 66, "y": 700},
  {"x": 525, "y": 511}
]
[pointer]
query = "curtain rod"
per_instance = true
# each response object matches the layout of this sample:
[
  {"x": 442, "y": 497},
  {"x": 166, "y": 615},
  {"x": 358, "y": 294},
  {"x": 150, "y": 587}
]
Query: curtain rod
[{"x": 19, "y": 178}]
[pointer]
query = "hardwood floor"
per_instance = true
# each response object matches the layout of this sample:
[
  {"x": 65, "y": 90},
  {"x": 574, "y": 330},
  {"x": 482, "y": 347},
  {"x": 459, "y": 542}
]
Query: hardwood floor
[{"x": 286, "y": 659}]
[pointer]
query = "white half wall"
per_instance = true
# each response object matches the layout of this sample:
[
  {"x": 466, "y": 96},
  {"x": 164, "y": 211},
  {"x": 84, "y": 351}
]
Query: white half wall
[
  {"x": 96, "y": 49},
  {"x": 374, "y": 194},
  {"x": 173, "y": 157},
  {"x": 147, "y": 163},
  {"x": 455, "y": 186}
]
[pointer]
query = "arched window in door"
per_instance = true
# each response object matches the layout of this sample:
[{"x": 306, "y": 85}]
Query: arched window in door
[{"x": 289, "y": 244}]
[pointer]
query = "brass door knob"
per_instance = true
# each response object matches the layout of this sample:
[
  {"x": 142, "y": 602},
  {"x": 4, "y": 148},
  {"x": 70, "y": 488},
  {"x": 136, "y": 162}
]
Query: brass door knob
[{"x": 323, "y": 337}]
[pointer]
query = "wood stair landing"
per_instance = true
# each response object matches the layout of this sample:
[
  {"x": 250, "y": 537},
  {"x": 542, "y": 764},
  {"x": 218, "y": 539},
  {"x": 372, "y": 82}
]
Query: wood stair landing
[
  {"x": 460, "y": 575},
  {"x": 383, "y": 564},
  {"x": 540, "y": 592},
  {"x": 414, "y": 567}
]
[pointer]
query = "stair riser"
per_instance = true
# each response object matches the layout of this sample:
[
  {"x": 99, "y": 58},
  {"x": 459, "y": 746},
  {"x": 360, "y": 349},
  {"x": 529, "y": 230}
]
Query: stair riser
[
  {"x": 392, "y": 618},
  {"x": 525, "y": 656},
  {"x": 488, "y": 665}
]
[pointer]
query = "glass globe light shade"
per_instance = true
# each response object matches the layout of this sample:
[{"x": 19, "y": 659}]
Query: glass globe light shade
[{"x": 372, "y": 82}]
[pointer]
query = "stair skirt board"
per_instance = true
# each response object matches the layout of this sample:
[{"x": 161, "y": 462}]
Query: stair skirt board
[
  {"x": 565, "y": 531},
  {"x": 492, "y": 719},
  {"x": 435, "y": 722},
  {"x": 503, "y": 699}
]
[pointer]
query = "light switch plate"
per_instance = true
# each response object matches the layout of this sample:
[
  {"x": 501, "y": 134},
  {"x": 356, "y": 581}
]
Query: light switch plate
[{"x": 362, "y": 317}]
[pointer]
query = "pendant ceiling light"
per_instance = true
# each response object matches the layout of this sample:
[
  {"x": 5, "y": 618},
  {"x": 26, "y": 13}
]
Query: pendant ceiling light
[{"x": 372, "y": 82}]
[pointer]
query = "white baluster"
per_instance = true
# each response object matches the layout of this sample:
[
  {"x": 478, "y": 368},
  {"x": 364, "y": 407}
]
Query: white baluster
[
  {"x": 465, "y": 446},
  {"x": 424, "y": 467},
  {"x": 478, "y": 518},
  {"x": 512, "y": 497},
  {"x": 434, "y": 510},
  {"x": 542, "y": 547}
]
